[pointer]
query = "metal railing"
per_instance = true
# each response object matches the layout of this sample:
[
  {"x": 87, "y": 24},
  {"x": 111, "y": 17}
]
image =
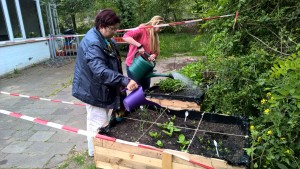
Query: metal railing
[{"x": 63, "y": 48}]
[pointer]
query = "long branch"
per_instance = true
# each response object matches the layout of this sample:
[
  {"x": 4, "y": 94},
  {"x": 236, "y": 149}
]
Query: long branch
[{"x": 267, "y": 44}]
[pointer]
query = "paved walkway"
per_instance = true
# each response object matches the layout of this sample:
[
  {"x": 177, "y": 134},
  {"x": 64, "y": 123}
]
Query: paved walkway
[{"x": 24, "y": 144}]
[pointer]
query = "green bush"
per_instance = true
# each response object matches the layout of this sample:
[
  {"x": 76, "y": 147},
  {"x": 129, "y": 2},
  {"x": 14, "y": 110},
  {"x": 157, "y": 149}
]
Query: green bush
[
  {"x": 170, "y": 85},
  {"x": 235, "y": 90},
  {"x": 275, "y": 133},
  {"x": 193, "y": 71}
]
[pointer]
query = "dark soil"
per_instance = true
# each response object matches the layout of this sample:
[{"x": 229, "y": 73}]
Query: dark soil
[{"x": 228, "y": 132}]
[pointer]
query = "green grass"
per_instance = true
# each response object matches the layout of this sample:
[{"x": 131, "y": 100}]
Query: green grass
[
  {"x": 179, "y": 43},
  {"x": 78, "y": 160}
]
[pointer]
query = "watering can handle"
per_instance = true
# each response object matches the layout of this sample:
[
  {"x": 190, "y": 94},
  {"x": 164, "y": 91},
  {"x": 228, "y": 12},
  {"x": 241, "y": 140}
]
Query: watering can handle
[
  {"x": 147, "y": 58},
  {"x": 124, "y": 90}
]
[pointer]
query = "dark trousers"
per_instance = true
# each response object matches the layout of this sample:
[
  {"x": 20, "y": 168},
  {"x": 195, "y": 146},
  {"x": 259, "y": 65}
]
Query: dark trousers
[{"x": 144, "y": 82}]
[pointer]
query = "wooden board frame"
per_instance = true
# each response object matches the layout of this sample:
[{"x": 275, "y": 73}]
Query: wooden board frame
[{"x": 113, "y": 155}]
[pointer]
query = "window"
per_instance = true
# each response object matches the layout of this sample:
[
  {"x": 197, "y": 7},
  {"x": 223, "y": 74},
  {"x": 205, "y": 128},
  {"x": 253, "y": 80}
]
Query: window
[
  {"x": 14, "y": 20},
  {"x": 20, "y": 19},
  {"x": 3, "y": 28},
  {"x": 30, "y": 18}
]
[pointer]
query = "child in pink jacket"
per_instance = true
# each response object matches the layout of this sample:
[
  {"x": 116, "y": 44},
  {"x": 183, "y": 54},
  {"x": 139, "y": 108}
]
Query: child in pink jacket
[{"x": 143, "y": 40}]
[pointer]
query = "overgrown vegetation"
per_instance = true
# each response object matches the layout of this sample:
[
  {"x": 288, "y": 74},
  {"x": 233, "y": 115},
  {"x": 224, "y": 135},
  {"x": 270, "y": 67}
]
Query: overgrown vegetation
[{"x": 256, "y": 73}]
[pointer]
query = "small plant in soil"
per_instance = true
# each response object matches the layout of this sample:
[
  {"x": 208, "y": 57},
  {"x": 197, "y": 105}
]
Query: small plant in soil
[
  {"x": 183, "y": 142},
  {"x": 159, "y": 143},
  {"x": 168, "y": 128},
  {"x": 207, "y": 144},
  {"x": 201, "y": 139},
  {"x": 144, "y": 114},
  {"x": 173, "y": 118},
  {"x": 155, "y": 135},
  {"x": 171, "y": 85}
]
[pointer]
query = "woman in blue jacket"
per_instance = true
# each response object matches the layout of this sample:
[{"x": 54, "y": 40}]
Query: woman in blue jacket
[{"x": 98, "y": 73}]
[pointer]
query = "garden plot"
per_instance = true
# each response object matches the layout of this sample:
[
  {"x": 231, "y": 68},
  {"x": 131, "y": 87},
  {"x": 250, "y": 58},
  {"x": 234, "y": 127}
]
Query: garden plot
[{"x": 213, "y": 139}]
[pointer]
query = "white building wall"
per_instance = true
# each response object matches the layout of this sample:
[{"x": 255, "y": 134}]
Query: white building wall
[{"x": 20, "y": 56}]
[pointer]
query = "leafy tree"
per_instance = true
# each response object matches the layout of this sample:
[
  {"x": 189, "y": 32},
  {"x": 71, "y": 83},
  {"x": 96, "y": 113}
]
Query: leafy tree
[{"x": 68, "y": 9}]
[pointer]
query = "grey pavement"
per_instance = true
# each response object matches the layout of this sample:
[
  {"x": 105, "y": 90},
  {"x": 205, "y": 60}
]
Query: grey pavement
[{"x": 25, "y": 144}]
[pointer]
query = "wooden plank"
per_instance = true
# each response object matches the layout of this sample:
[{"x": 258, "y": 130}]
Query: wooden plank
[
  {"x": 105, "y": 165},
  {"x": 213, "y": 162},
  {"x": 166, "y": 161},
  {"x": 201, "y": 159},
  {"x": 176, "y": 104},
  {"x": 183, "y": 166},
  {"x": 130, "y": 157},
  {"x": 131, "y": 149},
  {"x": 115, "y": 161}
]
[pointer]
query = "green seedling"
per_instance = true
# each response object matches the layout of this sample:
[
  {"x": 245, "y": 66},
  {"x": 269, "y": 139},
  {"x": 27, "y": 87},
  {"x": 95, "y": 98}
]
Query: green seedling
[
  {"x": 168, "y": 128},
  {"x": 200, "y": 139},
  {"x": 155, "y": 135},
  {"x": 183, "y": 142},
  {"x": 159, "y": 143},
  {"x": 173, "y": 118}
]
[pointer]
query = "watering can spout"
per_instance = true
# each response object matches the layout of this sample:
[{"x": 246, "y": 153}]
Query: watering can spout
[{"x": 151, "y": 74}]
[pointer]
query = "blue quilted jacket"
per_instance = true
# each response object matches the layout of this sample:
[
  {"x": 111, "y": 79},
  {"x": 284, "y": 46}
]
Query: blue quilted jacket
[{"x": 97, "y": 80}]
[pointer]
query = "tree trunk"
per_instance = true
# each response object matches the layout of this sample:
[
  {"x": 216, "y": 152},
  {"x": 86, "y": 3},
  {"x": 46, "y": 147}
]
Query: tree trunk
[
  {"x": 74, "y": 22},
  {"x": 174, "y": 15}
]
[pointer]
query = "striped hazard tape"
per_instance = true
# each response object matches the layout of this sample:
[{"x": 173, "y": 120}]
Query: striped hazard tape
[
  {"x": 99, "y": 136},
  {"x": 123, "y": 30},
  {"x": 38, "y": 98},
  {"x": 182, "y": 22}
]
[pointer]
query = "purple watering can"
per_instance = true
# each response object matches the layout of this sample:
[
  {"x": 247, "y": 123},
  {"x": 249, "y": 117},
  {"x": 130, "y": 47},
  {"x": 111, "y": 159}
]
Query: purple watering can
[{"x": 136, "y": 99}]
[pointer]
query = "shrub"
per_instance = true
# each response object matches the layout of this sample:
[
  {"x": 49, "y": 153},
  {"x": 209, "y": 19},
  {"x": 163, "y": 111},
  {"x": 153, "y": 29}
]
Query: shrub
[{"x": 275, "y": 133}]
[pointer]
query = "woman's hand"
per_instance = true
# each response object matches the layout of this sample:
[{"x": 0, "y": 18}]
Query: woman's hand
[
  {"x": 132, "y": 85},
  {"x": 141, "y": 50},
  {"x": 152, "y": 57}
]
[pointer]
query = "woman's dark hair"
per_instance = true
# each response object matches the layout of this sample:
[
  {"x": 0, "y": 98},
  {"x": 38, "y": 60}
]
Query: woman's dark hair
[{"x": 106, "y": 18}]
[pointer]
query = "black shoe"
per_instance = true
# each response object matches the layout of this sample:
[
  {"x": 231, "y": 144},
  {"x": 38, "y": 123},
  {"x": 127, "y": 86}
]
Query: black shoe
[
  {"x": 113, "y": 123},
  {"x": 103, "y": 130}
]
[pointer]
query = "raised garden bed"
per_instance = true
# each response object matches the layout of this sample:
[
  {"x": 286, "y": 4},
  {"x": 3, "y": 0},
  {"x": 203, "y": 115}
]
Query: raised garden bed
[{"x": 201, "y": 129}]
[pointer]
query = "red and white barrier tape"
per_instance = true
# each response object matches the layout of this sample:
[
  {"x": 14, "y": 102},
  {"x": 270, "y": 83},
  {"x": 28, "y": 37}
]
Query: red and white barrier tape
[
  {"x": 181, "y": 23},
  {"x": 39, "y": 39},
  {"x": 45, "y": 99},
  {"x": 96, "y": 135},
  {"x": 124, "y": 30}
]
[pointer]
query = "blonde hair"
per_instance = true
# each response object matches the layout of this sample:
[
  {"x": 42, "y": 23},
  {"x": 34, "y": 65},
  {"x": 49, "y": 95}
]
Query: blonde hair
[{"x": 154, "y": 39}]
